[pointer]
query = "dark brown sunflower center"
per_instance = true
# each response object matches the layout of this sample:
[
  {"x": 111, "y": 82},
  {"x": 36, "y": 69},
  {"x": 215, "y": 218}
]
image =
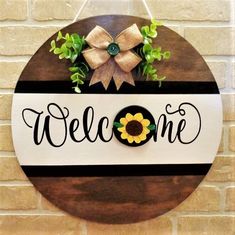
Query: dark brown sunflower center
[{"x": 134, "y": 128}]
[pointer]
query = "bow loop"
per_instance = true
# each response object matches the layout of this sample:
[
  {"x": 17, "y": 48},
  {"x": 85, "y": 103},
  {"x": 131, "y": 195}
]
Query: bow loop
[
  {"x": 99, "y": 38},
  {"x": 127, "y": 60},
  {"x": 95, "y": 57},
  {"x": 129, "y": 38}
]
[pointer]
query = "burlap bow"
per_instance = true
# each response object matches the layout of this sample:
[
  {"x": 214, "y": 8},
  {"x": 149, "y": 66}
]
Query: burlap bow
[{"x": 112, "y": 57}]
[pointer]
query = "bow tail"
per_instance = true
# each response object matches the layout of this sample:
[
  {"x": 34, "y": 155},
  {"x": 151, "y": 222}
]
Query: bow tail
[
  {"x": 104, "y": 74},
  {"x": 120, "y": 76}
]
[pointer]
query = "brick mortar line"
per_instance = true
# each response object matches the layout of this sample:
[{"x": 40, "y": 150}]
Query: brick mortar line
[
  {"x": 5, "y": 122},
  {"x": 6, "y": 91},
  {"x": 35, "y": 23},
  {"x": 222, "y": 193},
  {"x": 229, "y": 153},
  {"x": 229, "y": 123},
  {"x": 174, "y": 223},
  {"x": 178, "y": 214},
  {"x": 83, "y": 229},
  {"x": 30, "y": 212},
  {"x": 227, "y": 89},
  {"x": 196, "y": 23},
  {"x": 230, "y": 187},
  {"x": 226, "y": 140},
  {"x": 230, "y": 79},
  {"x": 29, "y": 10},
  {"x": 204, "y": 213},
  {"x": 227, "y": 93},
  {"x": 217, "y": 57},
  {"x": 7, "y": 154},
  {"x": 16, "y": 184},
  {"x": 232, "y": 7},
  {"x": 15, "y": 58},
  {"x": 39, "y": 206},
  {"x": 219, "y": 185}
]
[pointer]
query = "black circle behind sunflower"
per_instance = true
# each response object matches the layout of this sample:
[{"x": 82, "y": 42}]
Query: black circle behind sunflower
[{"x": 135, "y": 122}]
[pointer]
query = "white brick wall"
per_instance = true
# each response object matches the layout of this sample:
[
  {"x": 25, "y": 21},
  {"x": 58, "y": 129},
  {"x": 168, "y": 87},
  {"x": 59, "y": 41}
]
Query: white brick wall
[{"x": 210, "y": 26}]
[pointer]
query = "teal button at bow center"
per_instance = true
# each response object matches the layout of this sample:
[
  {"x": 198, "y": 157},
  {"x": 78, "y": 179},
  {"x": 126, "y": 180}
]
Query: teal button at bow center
[{"x": 113, "y": 49}]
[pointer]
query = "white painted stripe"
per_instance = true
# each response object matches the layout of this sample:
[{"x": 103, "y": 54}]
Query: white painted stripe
[{"x": 202, "y": 150}]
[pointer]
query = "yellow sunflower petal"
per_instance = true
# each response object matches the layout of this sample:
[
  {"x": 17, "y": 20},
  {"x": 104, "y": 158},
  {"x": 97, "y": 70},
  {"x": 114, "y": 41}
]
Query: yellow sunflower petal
[
  {"x": 122, "y": 129},
  {"x": 130, "y": 139},
  {"x": 145, "y": 131},
  {"x": 124, "y": 135},
  {"x": 123, "y": 121},
  {"x": 129, "y": 117},
  {"x": 137, "y": 139},
  {"x": 142, "y": 136},
  {"x": 138, "y": 117},
  {"x": 145, "y": 122}
]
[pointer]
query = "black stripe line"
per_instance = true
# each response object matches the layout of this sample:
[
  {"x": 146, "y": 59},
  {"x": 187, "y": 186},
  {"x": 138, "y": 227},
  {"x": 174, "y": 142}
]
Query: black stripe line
[
  {"x": 141, "y": 87},
  {"x": 116, "y": 170}
]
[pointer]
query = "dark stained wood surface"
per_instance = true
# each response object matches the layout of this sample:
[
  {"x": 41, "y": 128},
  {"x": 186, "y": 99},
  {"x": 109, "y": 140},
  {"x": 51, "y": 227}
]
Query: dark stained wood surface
[
  {"x": 186, "y": 64},
  {"x": 119, "y": 199}
]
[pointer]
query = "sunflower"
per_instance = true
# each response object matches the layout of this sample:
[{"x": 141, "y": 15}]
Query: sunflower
[{"x": 134, "y": 128}]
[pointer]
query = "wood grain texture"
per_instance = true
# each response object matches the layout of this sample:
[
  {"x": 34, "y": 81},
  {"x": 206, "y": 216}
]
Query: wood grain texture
[
  {"x": 186, "y": 64},
  {"x": 119, "y": 200}
]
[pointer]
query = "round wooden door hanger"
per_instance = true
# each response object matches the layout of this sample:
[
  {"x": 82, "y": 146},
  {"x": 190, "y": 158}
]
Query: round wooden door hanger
[{"x": 123, "y": 126}]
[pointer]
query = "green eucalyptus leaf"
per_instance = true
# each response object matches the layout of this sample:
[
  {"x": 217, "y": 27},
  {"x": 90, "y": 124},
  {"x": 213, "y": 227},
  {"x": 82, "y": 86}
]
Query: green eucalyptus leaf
[
  {"x": 81, "y": 72},
  {"x": 152, "y": 71},
  {"x": 153, "y": 34},
  {"x": 157, "y": 55},
  {"x": 145, "y": 30},
  {"x": 74, "y": 77},
  {"x": 63, "y": 48},
  {"x": 80, "y": 81},
  {"x": 61, "y": 56},
  {"x": 67, "y": 37},
  {"x": 84, "y": 67},
  {"x": 152, "y": 127},
  {"x": 59, "y": 36},
  {"x": 73, "y": 57},
  {"x": 69, "y": 54},
  {"x": 153, "y": 28},
  {"x": 166, "y": 55},
  {"x": 155, "y": 22},
  {"x": 68, "y": 44},
  {"x": 117, "y": 124},
  {"x": 53, "y": 45},
  {"x": 147, "y": 48},
  {"x": 77, "y": 89},
  {"x": 73, "y": 69},
  {"x": 149, "y": 58},
  {"x": 57, "y": 51},
  {"x": 161, "y": 78},
  {"x": 76, "y": 39}
]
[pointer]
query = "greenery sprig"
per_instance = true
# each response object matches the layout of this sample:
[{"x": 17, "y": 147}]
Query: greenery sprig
[
  {"x": 70, "y": 47},
  {"x": 150, "y": 54}
]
